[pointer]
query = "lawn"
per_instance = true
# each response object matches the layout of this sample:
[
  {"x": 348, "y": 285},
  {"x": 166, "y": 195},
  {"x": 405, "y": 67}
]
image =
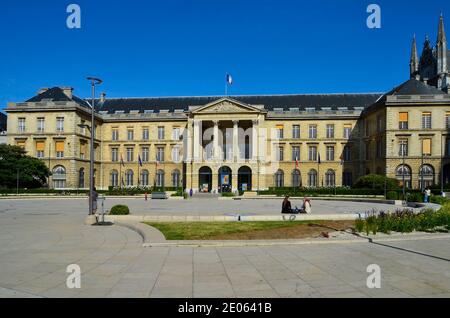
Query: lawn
[{"x": 247, "y": 230}]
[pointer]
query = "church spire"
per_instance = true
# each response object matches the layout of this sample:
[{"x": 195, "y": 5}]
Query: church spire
[
  {"x": 441, "y": 56},
  {"x": 441, "y": 33},
  {"x": 414, "y": 61}
]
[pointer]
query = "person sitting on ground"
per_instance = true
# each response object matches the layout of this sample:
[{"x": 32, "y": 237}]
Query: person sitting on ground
[
  {"x": 306, "y": 206},
  {"x": 286, "y": 208}
]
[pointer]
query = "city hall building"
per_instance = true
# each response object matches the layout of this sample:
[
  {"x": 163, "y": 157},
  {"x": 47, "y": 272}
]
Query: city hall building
[{"x": 234, "y": 143}]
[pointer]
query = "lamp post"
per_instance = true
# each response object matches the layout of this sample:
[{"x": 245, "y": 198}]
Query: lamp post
[
  {"x": 94, "y": 81},
  {"x": 442, "y": 166}
]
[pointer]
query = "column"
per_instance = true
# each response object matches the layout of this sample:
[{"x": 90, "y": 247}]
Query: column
[
  {"x": 188, "y": 143},
  {"x": 197, "y": 140},
  {"x": 255, "y": 140},
  {"x": 236, "y": 140},
  {"x": 216, "y": 141}
]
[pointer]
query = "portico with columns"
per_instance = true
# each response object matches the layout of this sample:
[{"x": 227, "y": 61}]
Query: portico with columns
[{"x": 223, "y": 147}]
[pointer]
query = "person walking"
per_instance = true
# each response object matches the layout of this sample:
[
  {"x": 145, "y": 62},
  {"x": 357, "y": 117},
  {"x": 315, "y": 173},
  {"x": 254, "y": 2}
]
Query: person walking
[
  {"x": 94, "y": 201},
  {"x": 427, "y": 195},
  {"x": 146, "y": 196}
]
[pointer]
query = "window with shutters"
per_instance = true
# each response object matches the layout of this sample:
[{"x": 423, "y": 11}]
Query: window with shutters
[
  {"x": 40, "y": 148},
  {"x": 403, "y": 121},
  {"x": 280, "y": 131},
  {"x": 426, "y": 120},
  {"x": 59, "y": 149},
  {"x": 426, "y": 147}
]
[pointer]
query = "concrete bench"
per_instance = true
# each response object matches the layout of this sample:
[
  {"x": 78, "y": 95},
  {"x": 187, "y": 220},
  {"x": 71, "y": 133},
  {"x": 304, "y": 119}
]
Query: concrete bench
[{"x": 159, "y": 196}]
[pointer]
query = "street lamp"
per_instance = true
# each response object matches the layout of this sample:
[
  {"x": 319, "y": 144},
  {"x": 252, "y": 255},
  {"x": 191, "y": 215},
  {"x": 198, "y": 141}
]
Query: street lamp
[{"x": 94, "y": 81}]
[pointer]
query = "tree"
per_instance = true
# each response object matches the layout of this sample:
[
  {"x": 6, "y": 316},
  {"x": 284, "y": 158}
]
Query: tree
[
  {"x": 376, "y": 182},
  {"x": 32, "y": 172}
]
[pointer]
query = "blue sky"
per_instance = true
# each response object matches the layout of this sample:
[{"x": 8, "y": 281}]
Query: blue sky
[{"x": 185, "y": 47}]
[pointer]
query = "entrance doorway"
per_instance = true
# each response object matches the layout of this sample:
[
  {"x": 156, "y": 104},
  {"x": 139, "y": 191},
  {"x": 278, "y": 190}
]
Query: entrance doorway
[
  {"x": 245, "y": 179},
  {"x": 225, "y": 180},
  {"x": 205, "y": 180}
]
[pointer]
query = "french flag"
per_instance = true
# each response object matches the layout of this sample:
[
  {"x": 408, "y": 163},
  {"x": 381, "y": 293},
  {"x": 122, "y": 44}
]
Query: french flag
[{"x": 229, "y": 79}]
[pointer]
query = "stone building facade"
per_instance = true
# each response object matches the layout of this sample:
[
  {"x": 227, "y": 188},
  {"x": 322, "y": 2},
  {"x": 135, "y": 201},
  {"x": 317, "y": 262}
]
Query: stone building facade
[{"x": 247, "y": 142}]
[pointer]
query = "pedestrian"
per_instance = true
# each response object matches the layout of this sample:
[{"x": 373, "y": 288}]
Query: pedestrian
[
  {"x": 191, "y": 193},
  {"x": 94, "y": 201},
  {"x": 427, "y": 195},
  {"x": 146, "y": 196},
  {"x": 286, "y": 207}
]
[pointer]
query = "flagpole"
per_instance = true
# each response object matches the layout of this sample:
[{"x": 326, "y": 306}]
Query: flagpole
[
  {"x": 120, "y": 171},
  {"x": 139, "y": 183}
]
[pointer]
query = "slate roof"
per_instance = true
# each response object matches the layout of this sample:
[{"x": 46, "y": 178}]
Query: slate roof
[
  {"x": 3, "y": 120},
  {"x": 270, "y": 102},
  {"x": 56, "y": 94}
]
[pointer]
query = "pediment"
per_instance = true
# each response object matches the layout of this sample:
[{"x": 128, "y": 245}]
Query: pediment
[{"x": 225, "y": 106}]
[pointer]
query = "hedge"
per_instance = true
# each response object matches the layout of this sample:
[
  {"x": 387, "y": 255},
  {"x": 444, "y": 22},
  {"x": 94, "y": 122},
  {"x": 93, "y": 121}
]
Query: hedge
[{"x": 120, "y": 210}]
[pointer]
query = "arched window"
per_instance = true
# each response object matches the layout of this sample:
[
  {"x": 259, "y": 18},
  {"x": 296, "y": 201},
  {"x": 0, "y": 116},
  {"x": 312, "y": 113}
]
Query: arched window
[
  {"x": 176, "y": 178},
  {"x": 403, "y": 173},
  {"x": 330, "y": 178},
  {"x": 296, "y": 180},
  {"x": 129, "y": 174},
  {"x": 426, "y": 176},
  {"x": 279, "y": 179},
  {"x": 81, "y": 178},
  {"x": 59, "y": 177},
  {"x": 114, "y": 179},
  {"x": 144, "y": 178},
  {"x": 312, "y": 178},
  {"x": 160, "y": 178}
]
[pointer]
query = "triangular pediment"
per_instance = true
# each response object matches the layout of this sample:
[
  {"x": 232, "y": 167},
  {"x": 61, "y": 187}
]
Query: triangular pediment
[{"x": 225, "y": 106}]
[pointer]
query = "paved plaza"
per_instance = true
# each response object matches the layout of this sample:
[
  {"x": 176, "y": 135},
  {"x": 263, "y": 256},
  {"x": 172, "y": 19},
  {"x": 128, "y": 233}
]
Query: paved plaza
[{"x": 40, "y": 238}]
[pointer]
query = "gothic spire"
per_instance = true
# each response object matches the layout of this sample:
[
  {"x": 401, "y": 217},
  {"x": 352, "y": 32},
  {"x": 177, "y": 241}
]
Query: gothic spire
[
  {"x": 414, "y": 61},
  {"x": 441, "y": 33}
]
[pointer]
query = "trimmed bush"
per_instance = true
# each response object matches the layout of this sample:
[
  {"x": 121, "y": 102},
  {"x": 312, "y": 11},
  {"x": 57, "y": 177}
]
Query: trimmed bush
[
  {"x": 375, "y": 181},
  {"x": 120, "y": 210},
  {"x": 392, "y": 195}
]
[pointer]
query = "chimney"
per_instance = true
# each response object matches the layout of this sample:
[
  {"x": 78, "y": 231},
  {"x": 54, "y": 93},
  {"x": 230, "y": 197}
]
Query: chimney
[
  {"x": 68, "y": 91},
  {"x": 42, "y": 90},
  {"x": 425, "y": 80},
  {"x": 102, "y": 97}
]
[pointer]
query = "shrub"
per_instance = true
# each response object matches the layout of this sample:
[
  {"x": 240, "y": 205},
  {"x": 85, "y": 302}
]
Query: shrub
[
  {"x": 415, "y": 197},
  {"x": 359, "y": 225},
  {"x": 228, "y": 194},
  {"x": 392, "y": 195},
  {"x": 120, "y": 210},
  {"x": 375, "y": 181}
]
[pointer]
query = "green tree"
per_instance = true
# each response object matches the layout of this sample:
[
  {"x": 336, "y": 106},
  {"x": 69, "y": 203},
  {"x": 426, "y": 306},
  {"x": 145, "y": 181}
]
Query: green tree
[
  {"x": 377, "y": 182},
  {"x": 32, "y": 172}
]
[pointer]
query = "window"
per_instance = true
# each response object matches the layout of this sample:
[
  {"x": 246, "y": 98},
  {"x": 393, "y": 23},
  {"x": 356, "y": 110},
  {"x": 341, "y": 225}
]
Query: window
[
  {"x": 81, "y": 178},
  {"x": 426, "y": 120},
  {"x": 129, "y": 178},
  {"x": 115, "y": 134},
  {"x": 403, "y": 174},
  {"x": 145, "y": 154},
  {"x": 296, "y": 131},
  {"x": 312, "y": 178},
  {"x": 21, "y": 143},
  {"x": 330, "y": 131},
  {"x": 279, "y": 179},
  {"x": 379, "y": 148},
  {"x": 176, "y": 134},
  {"x": 59, "y": 149},
  {"x": 130, "y": 134},
  {"x": 40, "y": 125},
  {"x": 426, "y": 176},
  {"x": 347, "y": 131},
  {"x": 447, "y": 120},
  {"x": 59, "y": 177},
  {"x": 145, "y": 134},
  {"x": 330, "y": 178},
  {"x": 379, "y": 124},
  {"x": 21, "y": 125},
  {"x": 160, "y": 178},
  {"x": 347, "y": 153},
  {"x": 114, "y": 154},
  {"x": 312, "y": 131},
  {"x": 348, "y": 179},
  {"x": 280, "y": 132},
  {"x": 312, "y": 155},
  {"x": 330, "y": 153},
  {"x": 161, "y": 133},
  {"x": 60, "y": 124},
  {"x": 144, "y": 178},
  {"x": 295, "y": 153},
  {"x": 40, "y": 147},
  {"x": 176, "y": 178},
  {"x": 160, "y": 154},
  {"x": 176, "y": 154},
  {"x": 426, "y": 147},
  {"x": 367, "y": 128},
  {"x": 403, "y": 121},
  {"x": 130, "y": 154},
  {"x": 367, "y": 151},
  {"x": 296, "y": 180},
  {"x": 403, "y": 148},
  {"x": 280, "y": 154},
  {"x": 83, "y": 147},
  {"x": 114, "y": 182}
]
